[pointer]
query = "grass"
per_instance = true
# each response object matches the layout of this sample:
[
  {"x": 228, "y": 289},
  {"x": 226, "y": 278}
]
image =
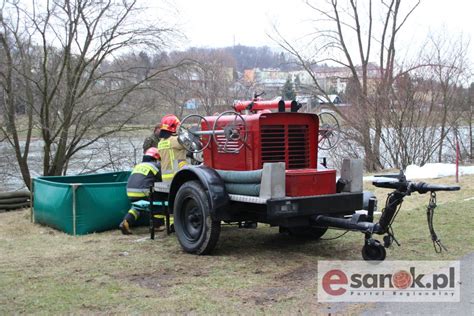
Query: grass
[{"x": 251, "y": 271}]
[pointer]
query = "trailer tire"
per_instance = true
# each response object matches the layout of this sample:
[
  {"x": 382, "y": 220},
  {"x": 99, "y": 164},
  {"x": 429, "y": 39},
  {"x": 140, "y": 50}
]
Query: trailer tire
[
  {"x": 374, "y": 251},
  {"x": 307, "y": 232},
  {"x": 196, "y": 231}
]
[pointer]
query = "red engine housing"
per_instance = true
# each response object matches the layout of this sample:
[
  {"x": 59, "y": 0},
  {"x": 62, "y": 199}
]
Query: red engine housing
[{"x": 287, "y": 137}]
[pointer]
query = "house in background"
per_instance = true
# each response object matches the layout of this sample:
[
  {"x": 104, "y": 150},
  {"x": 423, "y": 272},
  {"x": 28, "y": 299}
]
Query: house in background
[{"x": 333, "y": 98}]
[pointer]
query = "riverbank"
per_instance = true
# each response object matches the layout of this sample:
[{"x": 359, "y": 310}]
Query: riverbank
[{"x": 252, "y": 270}]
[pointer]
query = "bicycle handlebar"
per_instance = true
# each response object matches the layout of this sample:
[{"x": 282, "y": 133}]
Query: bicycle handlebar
[{"x": 420, "y": 187}]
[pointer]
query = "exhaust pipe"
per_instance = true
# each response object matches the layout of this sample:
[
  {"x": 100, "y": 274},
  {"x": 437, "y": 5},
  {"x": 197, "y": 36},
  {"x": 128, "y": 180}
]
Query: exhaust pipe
[
  {"x": 281, "y": 106},
  {"x": 295, "y": 106}
]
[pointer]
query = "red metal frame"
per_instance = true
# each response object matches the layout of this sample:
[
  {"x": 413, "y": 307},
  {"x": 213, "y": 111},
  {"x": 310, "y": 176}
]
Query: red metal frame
[{"x": 299, "y": 182}]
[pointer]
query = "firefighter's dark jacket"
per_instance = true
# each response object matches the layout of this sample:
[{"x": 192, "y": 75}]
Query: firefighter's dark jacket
[{"x": 143, "y": 176}]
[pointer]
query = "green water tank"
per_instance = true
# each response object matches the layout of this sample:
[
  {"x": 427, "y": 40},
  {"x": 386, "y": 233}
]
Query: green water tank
[{"x": 81, "y": 204}]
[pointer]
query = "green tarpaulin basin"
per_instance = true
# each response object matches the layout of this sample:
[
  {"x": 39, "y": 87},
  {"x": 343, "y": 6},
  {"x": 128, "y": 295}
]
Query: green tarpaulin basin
[{"x": 82, "y": 204}]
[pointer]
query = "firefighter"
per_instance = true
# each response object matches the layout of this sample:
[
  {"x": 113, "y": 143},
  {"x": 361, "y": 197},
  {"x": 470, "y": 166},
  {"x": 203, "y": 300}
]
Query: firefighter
[
  {"x": 173, "y": 154},
  {"x": 143, "y": 176},
  {"x": 153, "y": 139}
]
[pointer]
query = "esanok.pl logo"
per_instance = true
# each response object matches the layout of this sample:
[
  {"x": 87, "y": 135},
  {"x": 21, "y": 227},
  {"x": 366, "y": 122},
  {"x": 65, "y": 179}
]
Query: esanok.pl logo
[{"x": 391, "y": 281}]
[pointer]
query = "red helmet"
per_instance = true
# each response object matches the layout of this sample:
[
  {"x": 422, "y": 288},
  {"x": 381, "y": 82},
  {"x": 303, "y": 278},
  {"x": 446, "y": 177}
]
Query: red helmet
[
  {"x": 152, "y": 152},
  {"x": 169, "y": 123}
]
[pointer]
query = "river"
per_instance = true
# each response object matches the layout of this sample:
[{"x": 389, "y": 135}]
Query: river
[
  {"x": 111, "y": 154},
  {"x": 122, "y": 153}
]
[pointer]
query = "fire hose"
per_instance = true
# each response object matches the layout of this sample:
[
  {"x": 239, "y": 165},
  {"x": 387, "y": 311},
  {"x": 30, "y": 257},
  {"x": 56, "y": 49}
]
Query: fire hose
[
  {"x": 242, "y": 182},
  {"x": 438, "y": 246},
  {"x": 14, "y": 200}
]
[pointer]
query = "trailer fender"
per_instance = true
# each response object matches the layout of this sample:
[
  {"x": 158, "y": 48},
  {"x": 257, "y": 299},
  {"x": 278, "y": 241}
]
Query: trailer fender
[{"x": 211, "y": 182}]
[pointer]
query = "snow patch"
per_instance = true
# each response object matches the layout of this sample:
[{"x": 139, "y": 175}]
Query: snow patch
[
  {"x": 431, "y": 171},
  {"x": 436, "y": 170}
]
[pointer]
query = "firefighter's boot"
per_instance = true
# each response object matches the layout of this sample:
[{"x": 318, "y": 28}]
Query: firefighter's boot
[
  {"x": 159, "y": 223},
  {"x": 126, "y": 223},
  {"x": 249, "y": 224}
]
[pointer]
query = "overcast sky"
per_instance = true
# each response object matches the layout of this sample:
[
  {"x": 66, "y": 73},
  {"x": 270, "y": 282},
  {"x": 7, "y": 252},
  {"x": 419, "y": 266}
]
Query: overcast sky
[{"x": 220, "y": 23}]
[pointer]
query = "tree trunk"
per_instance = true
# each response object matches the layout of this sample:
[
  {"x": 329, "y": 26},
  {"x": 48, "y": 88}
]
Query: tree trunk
[
  {"x": 470, "y": 133},
  {"x": 442, "y": 134}
]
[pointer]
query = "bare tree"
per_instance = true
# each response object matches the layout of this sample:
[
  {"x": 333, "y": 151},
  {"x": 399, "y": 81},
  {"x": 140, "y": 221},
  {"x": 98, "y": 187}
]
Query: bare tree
[
  {"x": 448, "y": 68},
  {"x": 212, "y": 81},
  {"x": 207, "y": 81},
  {"x": 410, "y": 130},
  {"x": 470, "y": 117},
  {"x": 347, "y": 34},
  {"x": 60, "y": 63}
]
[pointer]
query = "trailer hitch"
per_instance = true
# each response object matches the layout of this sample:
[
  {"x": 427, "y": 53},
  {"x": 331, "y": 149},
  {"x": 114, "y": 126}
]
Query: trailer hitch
[
  {"x": 357, "y": 222},
  {"x": 373, "y": 249}
]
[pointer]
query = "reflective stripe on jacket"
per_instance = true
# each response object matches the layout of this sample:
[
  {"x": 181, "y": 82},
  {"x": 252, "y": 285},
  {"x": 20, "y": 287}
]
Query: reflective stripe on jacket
[
  {"x": 173, "y": 157},
  {"x": 143, "y": 176}
]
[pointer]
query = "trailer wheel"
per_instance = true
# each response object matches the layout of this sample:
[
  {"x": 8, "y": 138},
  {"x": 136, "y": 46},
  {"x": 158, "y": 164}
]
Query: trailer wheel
[
  {"x": 307, "y": 232},
  {"x": 374, "y": 251},
  {"x": 196, "y": 231}
]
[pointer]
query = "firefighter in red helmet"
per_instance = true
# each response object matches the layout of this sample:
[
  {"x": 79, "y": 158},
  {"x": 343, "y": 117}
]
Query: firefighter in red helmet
[
  {"x": 173, "y": 154},
  {"x": 143, "y": 176}
]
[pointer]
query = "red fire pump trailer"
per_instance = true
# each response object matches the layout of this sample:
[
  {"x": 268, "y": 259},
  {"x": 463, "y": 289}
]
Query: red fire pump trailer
[{"x": 260, "y": 164}]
